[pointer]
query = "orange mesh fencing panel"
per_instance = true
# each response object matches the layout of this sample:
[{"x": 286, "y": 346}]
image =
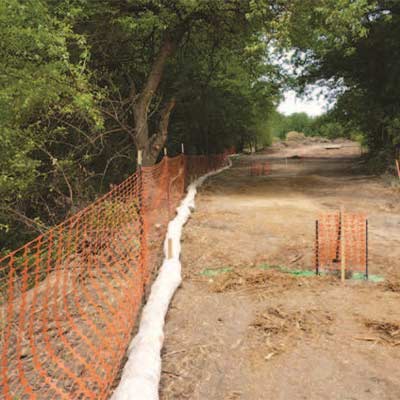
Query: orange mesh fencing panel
[
  {"x": 258, "y": 168},
  {"x": 176, "y": 186},
  {"x": 197, "y": 166},
  {"x": 334, "y": 229},
  {"x": 155, "y": 182},
  {"x": 267, "y": 168},
  {"x": 69, "y": 299}
]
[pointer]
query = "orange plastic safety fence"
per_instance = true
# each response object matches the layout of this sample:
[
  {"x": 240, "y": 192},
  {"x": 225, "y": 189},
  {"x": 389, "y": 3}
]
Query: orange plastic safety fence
[
  {"x": 69, "y": 299},
  {"x": 335, "y": 229},
  {"x": 258, "y": 168}
]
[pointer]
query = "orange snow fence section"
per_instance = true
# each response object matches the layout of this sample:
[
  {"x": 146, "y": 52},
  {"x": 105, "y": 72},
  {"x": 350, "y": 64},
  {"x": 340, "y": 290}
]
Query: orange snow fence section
[
  {"x": 259, "y": 168},
  {"x": 69, "y": 300},
  {"x": 340, "y": 235}
]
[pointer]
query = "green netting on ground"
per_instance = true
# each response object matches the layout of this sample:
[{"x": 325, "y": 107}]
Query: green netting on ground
[
  {"x": 358, "y": 276},
  {"x": 215, "y": 271},
  {"x": 295, "y": 272}
]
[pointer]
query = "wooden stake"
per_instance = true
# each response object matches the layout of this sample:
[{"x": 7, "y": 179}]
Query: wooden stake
[
  {"x": 139, "y": 157},
  {"x": 343, "y": 245},
  {"x": 317, "y": 247},
  {"x": 165, "y": 151},
  {"x": 183, "y": 148},
  {"x": 170, "y": 249},
  {"x": 366, "y": 250},
  {"x": 398, "y": 168}
]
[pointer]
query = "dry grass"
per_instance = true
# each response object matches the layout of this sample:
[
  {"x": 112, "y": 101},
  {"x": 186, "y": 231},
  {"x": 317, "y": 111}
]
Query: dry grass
[
  {"x": 245, "y": 280},
  {"x": 393, "y": 286},
  {"x": 181, "y": 366},
  {"x": 389, "y": 332},
  {"x": 276, "y": 330},
  {"x": 295, "y": 136}
]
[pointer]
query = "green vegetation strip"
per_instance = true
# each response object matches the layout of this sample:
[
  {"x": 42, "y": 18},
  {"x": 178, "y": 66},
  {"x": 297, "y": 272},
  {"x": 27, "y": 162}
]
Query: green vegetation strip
[
  {"x": 211, "y": 272},
  {"x": 359, "y": 276},
  {"x": 215, "y": 271},
  {"x": 294, "y": 272}
]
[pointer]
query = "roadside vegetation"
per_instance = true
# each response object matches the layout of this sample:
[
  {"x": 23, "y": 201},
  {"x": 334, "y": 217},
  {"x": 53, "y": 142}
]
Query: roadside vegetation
[
  {"x": 85, "y": 84},
  {"x": 326, "y": 126}
]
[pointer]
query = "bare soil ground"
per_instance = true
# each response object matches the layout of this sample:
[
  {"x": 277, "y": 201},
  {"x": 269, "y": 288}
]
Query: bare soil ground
[{"x": 252, "y": 333}]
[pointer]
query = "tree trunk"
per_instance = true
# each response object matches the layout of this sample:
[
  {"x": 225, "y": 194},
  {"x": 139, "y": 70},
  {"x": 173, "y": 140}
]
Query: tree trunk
[{"x": 151, "y": 145}]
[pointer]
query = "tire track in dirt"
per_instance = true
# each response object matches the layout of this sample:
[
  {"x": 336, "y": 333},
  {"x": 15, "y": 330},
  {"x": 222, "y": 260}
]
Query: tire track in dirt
[{"x": 252, "y": 333}]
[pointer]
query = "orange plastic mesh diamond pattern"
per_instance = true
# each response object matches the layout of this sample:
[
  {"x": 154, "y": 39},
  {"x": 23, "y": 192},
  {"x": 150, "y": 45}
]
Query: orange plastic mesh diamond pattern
[
  {"x": 330, "y": 236},
  {"x": 69, "y": 299}
]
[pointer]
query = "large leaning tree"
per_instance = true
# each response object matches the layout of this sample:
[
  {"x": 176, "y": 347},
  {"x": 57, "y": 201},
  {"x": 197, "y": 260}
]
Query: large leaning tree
[
  {"x": 84, "y": 83},
  {"x": 138, "y": 55},
  {"x": 138, "y": 46}
]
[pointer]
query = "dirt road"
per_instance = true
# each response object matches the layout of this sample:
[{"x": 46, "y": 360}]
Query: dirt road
[{"x": 239, "y": 328}]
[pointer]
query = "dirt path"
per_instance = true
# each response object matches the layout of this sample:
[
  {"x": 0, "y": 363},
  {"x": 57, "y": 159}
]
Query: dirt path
[{"x": 254, "y": 332}]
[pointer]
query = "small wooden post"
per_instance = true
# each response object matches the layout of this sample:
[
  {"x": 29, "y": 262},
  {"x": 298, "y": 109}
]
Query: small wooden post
[
  {"x": 142, "y": 221},
  {"x": 169, "y": 183},
  {"x": 366, "y": 250},
  {"x": 316, "y": 247},
  {"x": 183, "y": 148},
  {"x": 139, "y": 158},
  {"x": 343, "y": 246},
  {"x": 170, "y": 253}
]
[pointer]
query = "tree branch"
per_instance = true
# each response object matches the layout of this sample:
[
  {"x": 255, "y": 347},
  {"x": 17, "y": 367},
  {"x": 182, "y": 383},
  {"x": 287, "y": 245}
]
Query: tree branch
[
  {"x": 29, "y": 222},
  {"x": 117, "y": 120},
  {"x": 167, "y": 48},
  {"x": 158, "y": 140}
]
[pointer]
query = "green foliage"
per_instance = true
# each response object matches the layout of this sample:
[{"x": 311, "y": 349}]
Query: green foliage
[
  {"x": 70, "y": 72},
  {"x": 326, "y": 125},
  {"x": 228, "y": 93},
  {"x": 364, "y": 69},
  {"x": 298, "y": 122},
  {"x": 41, "y": 87},
  {"x": 332, "y": 130},
  {"x": 65, "y": 66}
]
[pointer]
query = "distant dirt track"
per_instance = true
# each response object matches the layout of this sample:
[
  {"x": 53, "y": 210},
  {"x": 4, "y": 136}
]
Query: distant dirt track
[{"x": 252, "y": 334}]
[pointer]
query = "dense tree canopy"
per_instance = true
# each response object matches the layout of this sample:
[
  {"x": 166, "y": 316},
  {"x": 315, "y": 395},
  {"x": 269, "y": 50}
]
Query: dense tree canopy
[
  {"x": 84, "y": 84},
  {"x": 365, "y": 73}
]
